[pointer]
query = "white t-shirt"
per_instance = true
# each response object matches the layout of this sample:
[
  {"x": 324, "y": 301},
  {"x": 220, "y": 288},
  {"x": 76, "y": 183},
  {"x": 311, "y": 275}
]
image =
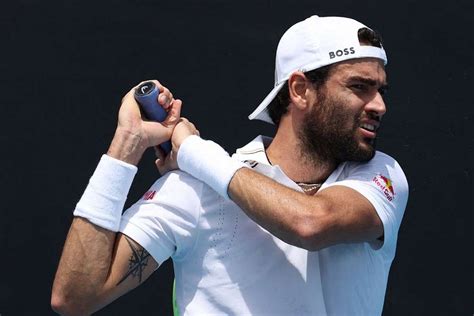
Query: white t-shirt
[{"x": 227, "y": 264}]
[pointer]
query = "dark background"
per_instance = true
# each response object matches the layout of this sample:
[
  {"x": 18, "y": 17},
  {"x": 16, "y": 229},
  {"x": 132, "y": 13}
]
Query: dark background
[{"x": 64, "y": 67}]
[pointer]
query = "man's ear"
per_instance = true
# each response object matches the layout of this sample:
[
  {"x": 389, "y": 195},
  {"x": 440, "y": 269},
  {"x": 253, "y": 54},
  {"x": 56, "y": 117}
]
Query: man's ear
[{"x": 298, "y": 86}]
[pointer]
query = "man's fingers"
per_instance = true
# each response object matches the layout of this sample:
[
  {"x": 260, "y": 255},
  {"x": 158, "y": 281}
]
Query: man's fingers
[
  {"x": 129, "y": 96},
  {"x": 165, "y": 98},
  {"x": 160, "y": 165},
  {"x": 160, "y": 161},
  {"x": 165, "y": 163},
  {"x": 174, "y": 113},
  {"x": 129, "y": 112}
]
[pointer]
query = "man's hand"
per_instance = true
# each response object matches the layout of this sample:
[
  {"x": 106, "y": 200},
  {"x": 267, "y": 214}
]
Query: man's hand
[
  {"x": 134, "y": 135},
  {"x": 181, "y": 131}
]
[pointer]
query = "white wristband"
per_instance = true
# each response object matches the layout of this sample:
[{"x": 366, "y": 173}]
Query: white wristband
[
  {"x": 103, "y": 200},
  {"x": 208, "y": 162}
]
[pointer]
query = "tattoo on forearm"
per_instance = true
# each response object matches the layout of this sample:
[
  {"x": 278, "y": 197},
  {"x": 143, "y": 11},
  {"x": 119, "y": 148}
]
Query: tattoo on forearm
[{"x": 137, "y": 262}]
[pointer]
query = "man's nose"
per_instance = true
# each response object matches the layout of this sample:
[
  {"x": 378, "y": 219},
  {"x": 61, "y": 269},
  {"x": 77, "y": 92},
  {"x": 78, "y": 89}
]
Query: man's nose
[{"x": 377, "y": 105}]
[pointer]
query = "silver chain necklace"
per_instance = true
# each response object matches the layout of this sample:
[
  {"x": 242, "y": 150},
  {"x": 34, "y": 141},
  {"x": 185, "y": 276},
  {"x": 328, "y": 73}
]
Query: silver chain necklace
[{"x": 309, "y": 187}]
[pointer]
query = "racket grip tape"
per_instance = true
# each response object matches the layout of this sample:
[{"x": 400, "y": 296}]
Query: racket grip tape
[{"x": 146, "y": 95}]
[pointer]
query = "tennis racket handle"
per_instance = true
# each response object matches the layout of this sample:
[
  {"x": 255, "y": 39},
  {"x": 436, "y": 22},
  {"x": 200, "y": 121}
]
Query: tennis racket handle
[{"x": 146, "y": 95}]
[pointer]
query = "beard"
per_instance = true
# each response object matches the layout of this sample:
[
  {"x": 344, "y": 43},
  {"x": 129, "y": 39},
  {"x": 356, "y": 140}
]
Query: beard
[{"x": 326, "y": 137}]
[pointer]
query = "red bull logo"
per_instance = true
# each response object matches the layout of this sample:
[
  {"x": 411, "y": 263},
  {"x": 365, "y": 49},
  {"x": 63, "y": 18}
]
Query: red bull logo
[{"x": 386, "y": 185}]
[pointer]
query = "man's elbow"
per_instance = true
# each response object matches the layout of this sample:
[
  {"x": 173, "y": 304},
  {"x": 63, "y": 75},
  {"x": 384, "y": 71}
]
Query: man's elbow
[
  {"x": 67, "y": 305},
  {"x": 312, "y": 233},
  {"x": 59, "y": 304}
]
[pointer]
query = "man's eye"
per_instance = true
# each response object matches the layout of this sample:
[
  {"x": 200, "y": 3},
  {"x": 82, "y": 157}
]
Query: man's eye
[{"x": 359, "y": 87}]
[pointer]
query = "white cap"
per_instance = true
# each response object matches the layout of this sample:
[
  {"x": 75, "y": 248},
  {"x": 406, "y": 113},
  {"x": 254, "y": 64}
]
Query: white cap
[{"x": 312, "y": 44}]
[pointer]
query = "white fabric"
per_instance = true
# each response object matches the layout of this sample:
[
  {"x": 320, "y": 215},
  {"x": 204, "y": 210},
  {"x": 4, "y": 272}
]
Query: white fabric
[
  {"x": 357, "y": 274},
  {"x": 226, "y": 264},
  {"x": 208, "y": 162},
  {"x": 311, "y": 44},
  {"x": 104, "y": 197}
]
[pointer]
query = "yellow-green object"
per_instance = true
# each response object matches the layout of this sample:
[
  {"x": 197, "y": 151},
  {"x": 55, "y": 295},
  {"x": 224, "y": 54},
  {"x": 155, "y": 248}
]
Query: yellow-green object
[{"x": 175, "y": 305}]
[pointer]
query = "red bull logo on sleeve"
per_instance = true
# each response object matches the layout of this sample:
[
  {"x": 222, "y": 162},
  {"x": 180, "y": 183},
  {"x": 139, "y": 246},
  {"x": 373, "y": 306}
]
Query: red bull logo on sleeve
[{"x": 385, "y": 185}]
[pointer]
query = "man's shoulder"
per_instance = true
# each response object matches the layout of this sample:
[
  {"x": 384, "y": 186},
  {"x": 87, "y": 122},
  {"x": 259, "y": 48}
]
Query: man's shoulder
[
  {"x": 175, "y": 188},
  {"x": 380, "y": 159},
  {"x": 177, "y": 180},
  {"x": 382, "y": 155},
  {"x": 381, "y": 164}
]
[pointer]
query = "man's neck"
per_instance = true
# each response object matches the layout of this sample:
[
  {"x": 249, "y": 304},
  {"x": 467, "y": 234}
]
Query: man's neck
[{"x": 287, "y": 152}]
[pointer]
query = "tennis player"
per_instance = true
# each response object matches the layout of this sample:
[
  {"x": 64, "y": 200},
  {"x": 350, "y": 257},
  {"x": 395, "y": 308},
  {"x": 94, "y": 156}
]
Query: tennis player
[{"x": 304, "y": 223}]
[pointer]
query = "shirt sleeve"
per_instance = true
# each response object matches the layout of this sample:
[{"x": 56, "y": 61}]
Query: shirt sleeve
[
  {"x": 164, "y": 221},
  {"x": 383, "y": 182}
]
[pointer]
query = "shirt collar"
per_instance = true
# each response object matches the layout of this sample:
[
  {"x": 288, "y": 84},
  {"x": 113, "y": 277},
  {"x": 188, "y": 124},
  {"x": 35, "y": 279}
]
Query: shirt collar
[{"x": 254, "y": 151}]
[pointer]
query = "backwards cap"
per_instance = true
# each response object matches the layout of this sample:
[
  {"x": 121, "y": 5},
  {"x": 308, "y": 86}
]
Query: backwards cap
[{"x": 314, "y": 43}]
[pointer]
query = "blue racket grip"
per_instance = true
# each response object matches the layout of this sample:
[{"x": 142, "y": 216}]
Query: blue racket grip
[{"x": 146, "y": 95}]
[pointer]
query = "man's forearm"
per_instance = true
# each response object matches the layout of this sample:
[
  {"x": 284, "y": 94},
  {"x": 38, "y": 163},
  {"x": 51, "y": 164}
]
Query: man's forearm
[
  {"x": 284, "y": 212},
  {"x": 126, "y": 147}
]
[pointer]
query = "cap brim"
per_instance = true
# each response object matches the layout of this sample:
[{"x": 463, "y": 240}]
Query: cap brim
[{"x": 261, "y": 113}]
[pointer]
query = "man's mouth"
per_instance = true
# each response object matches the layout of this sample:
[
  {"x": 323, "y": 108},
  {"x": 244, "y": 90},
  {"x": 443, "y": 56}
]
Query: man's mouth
[
  {"x": 369, "y": 130},
  {"x": 369, "y": 127}
]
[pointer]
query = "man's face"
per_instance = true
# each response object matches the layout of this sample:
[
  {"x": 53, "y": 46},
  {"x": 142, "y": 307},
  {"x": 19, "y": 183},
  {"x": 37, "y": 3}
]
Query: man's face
[{"x": 342, "y": 124}]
